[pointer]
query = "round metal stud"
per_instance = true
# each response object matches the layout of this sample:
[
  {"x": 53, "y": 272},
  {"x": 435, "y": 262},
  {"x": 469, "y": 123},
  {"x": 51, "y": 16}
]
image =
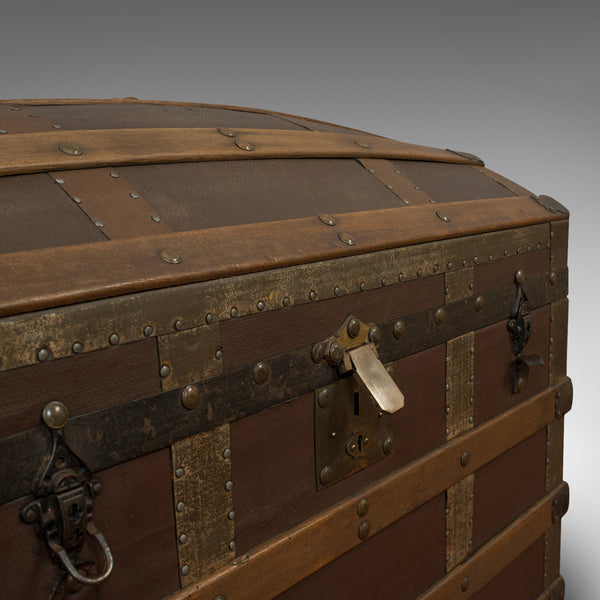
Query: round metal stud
[
  {"x": 231, "y": 515},
  {"x": 383, "y": 281},
  {"x": 56, "y": 126},
  {"x": 178, "y": 325},
  {"x": 226, "y": 132},
  {"x": 15, "y": 108},
  {"x": 113, "y": 340},
  {"x": 227, "y": 453},
  {"x": 77, "y": 200},
  {"x": 364, "y": 530},
  {"x": 327, "y": 219},
  {"x": 43, "y": 354},
  {"x": 520, "y": 277},
  {"x": 55, "y": 415},
  {"x": 165, "y": 371},
  {"x": 287, "y": 301},
  {"x": 318, "y": 352},
  {"x": 208, "y": 318},
  {"x": 346, "y": 238},
  {"x": 419, "y": 272},
  {"x": 440, "y": 214},
  {"x": 244, "y": 145},
  {"x": 326, "y": 475},
  {"x": 183, "y": 538},
  {"x": 312, "y": 295},
  {"x": 476, "y": 259},
  {"x": 170, "y": 255},
  {"x": 261, "y": 372},
  {"x": 229, "y": 485},
  {"x": 155, "y": 218},
  {"x": 179, "y": 472},
  {"x": 148, "y": 330},
  {"x": 401, "y": 276},
  {"x": 59, "y": 180},
  {"x": 77, "y": 347},
  {"x": 464, "y": 585},
  {"x": 324, "y": 397},
  {"x": 440, "y": 315},
  {"x": 234, "y": 312},
  {"x": 479, "y": 303},
  {"x": 260, "y": 305},
  {"x": 134, "y": 195},
  {"x": 70, "y": 148},
  {"x": 3, "y": 131},
  {"x": 336, "y": 353},
  {"x": 114, "y": 175},
  {"x": 388, "y": 445},
  {"x": 399, "y": 329},
  {"x": 219, "y": 354},
  {"x": 220, "y": 597},
  {"x": 185, "y": 570},
  {"x": 232, "y": 546},
  {"x": 375, "y": 335},
  {"x": 552, "y": 278},
  {"x": 362, "y": 508},
  {"x": 362, "y": 144},
  {"x": 465, "y": 457},
  {"x": 99, "y": 223},
  {"x": 337, "y": 290},
  {"x": 190, "y": 397},
  {"x": 353, "y": 327},
  {"x": 436, "y": 268}
]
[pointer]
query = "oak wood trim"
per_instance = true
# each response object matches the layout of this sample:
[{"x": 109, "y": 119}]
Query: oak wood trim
[
  {"x": 284, "y": 561},
  {"x": 38, "y": 279}
]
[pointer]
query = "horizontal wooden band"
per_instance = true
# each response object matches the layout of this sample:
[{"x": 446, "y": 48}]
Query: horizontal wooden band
[
  {"x": 283, "y": 562},
  {"x": 40, "y": 152},
  {"x": 39, "y": 279},
  {"x": 555, "y": 591}
]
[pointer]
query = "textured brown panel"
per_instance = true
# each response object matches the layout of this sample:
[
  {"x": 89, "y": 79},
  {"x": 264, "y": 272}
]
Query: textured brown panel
[
  {"x": 203, "y": 502},
  {"x": 459, "y": 284},
  {"x": 129, "y": 116},
  {"x": 445, "y": 184},
  {"x": 260, "y": 336},
  {"x": 560, "y": 245},
  {"x": 217, "y": 194},
  {"x": 459, "y": 521},
  {"x": 372, "y": 570},
  {"x": 190, "y": 355},
  {"x": 459, "y": 385},
  {"x": 109, "y": 200},
  {"x": 490, "y": 275},
  {"x": 552, "y": 553},
  {"x": 14, "y": 119},
  {"x": 493, "y": 355},
  {"x": 554, "y": 453},
  {"x": 85, "y": 383},
  {"x": 36, "y": 213},
  {"x": 395, "y": 181},
  {"x": 521, "y": 580},
  {"x": 513, "y": 187},
  {"x": 558, "y": 339},
  {"x": 273, "y": 467},
  {"x": 507, "y": 486}
]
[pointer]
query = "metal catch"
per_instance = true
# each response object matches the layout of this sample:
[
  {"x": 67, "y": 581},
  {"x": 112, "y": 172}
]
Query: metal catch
[{"x": 64, "y": 493}]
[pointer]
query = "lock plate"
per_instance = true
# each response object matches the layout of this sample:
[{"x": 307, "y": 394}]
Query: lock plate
[{"x": 351, "y": 431}]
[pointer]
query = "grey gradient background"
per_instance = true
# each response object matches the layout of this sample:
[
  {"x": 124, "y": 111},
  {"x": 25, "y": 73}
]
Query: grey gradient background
[{"x": 517, "y": 83}]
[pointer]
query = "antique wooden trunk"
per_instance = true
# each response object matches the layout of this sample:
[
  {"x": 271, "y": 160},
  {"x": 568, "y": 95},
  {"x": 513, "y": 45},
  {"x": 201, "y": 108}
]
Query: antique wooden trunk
[{"x": 246, "y": 355}]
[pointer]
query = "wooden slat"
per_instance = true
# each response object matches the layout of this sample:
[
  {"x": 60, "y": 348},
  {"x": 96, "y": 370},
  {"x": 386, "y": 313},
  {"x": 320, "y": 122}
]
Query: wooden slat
[
  {"x": 277, "y": 565},
  {"x": 555, "y": 591},
  {"x": 552, "y": 553},
  {"x": 515, "y": 188},
  {"x": 39, "y": 279},
  {"x": 38, "y": 152}
]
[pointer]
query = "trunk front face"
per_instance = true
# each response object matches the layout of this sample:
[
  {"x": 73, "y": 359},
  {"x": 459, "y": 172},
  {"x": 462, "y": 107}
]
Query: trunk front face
[{"x": 219, "y": 341}]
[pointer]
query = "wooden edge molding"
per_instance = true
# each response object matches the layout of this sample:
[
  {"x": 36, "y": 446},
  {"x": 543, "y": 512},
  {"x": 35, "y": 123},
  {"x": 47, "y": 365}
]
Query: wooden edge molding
[
  {"x": 555, "y": 591},
  {"x": 38, "y": 279},
  {"x": 284, "y": 561},
  {"x": 55, "y": 150}
]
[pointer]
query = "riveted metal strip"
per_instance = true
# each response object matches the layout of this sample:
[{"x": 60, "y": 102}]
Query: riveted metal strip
[
  {"x": 110, "y": 203},
  {"x": 554, "y": 453},
  {"x": 559, "y": 238},
  {"x": 558, "y": 336},
  {"x": 459, "y": 521},
  {"x": 395, "y": 181},
  {"x": 459, "y": 384},
  {"x": 20, "y": 119},
  {"x": 202, "y": 493},
  {"x": 513, "y": 187},
  {"x": 95, "y": 324},
  {"x": 189, "y": 356}
]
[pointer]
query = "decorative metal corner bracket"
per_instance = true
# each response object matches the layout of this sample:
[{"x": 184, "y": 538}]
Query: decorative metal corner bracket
[
  {"x": 563, "y": 400},
  {"x": 64, "y": 493},
  {"x": 560, "y": 503}
]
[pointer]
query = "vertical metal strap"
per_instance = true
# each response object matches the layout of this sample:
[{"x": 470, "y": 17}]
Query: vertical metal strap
[
  {"x": 203, "y": 489},
  {"x": 459, "y": 522}
]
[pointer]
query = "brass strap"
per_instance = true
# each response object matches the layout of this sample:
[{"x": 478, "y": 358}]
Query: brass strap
[
  {"x": 38, "y": 279},
  {"x": 334, "y": 532},
  {"x": 39, "y": 152},
  {"x": 110, "y": 203}
]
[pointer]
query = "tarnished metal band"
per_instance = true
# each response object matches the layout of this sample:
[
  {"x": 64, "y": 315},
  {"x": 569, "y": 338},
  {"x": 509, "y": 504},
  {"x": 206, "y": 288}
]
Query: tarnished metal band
[
  {"x": 188, "y": 306},
  {"x": 38, "y": 152}
]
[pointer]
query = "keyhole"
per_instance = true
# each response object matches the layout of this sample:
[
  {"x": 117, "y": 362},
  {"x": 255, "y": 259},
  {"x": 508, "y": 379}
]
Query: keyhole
[
  {"x": 356, "y": 404},
  {"x": 360, "y": 443}
]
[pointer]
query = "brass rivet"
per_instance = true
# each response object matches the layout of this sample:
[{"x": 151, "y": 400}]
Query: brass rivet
[
  {"x": 362, "y": 508},
  {"x": 449, "y": 266},
  {"x": 318, "y": 352},
  {"x": 400, "y": 276},
  {"x": 43, "y": 354},
  {"x": 464, "y": 586},
  {"x": 353, "y": 327},
  {"x": 219, "y": 354},
  {"x": 363, "y": 286},
  {"x": 375, "y": 335},
  {"x": 440, "y": 315},
  {"x": 55, "y": 415},
  {"x": 261, "y": 305},
  {"x": 326, "y": 475},
  {"x": 244, "y": 145},
  {"x": 220, "y": 597},
  {"x": 440, "y": 214},
  {"x": 287, "y": 301},
  {"x": 178, "y": 325},
  {"x": 362, "y": 144},
  {"x": 520, "y": 277},
  {"x": 232, "y": 546},
  {"x": 436, "y": 268},
  {"x": 3, "y": 131},
  {"x": 77, "y": 200},
  {"x": 327, "y": 219},
  {"x": 337, "y": 290},
  {"x": 364, "y": 530},
  {"x": 346, "y": 238},
  {"x": 471, "y": 285},
  {"x": 261, "y": 372},
  {"x": 183, "y": 538},
  {"x": 388, "y": 445},
  {"x": 148, "y": 330},
  {"x": 98, "y": 223},
  {"x": 226, "y": 132},
  {"x": 234, "y": 312},
  {"x": 553, "y": 278},
  {"x": 134, "y": 195},
  {"x": 231, "y": 515},
  {"x": 170, "y": 255},
  {"x": 56, "y": 126},
  {"x": 15, "y": 108},
  {"x": 419, "y": 272},
  {"x": 179, "y": 472},
  {"x": 113, "y": 340},
  {"x": 185, "y": 570},
  {"x": 229, "y": 485},
  {"x": 77, "y": 347},
  {"x": 227, "y": 453},
  {"x": 478, "y": 303},
  {"x": 70, "y": 148},
  {"x": 155, "y": 218},
  {"x": 312, "y": 295},
  {"x": 165, "y": 370},
  {"x": 190, "y": 397},
  {"x": 208, "y": 318},
  {"x": 114, "y": 175},
  {"x": 383, "y": 281},
  {"x": 475, "y": 259},
  {"x": 324, "y": 398},
  {"x": 399, "y": 329},
  {"x": 464, "y": 459},
  {"x": 336, "y": 353}
]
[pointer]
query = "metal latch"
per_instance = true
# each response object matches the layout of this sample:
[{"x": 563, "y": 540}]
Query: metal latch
[
  {"x": 353, "y": 426},
  {"x": 64, "y": 493}
]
